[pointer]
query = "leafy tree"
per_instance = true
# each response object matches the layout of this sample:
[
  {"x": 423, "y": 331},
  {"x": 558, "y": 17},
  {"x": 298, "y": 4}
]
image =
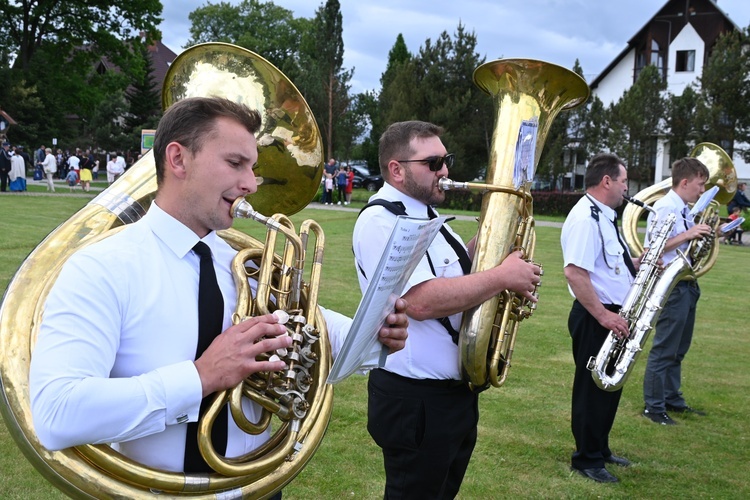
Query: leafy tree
[
  {"x": 262, "y": 27},
  {"x": 29, "y": 25},
  {"x": 723, "y": 111},
  {"x": 65, "y": 53}
]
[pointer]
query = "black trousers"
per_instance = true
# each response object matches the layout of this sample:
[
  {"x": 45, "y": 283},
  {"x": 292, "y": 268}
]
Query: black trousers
[
  {"x": 427, "y": 430},
  {"x": 4, "y": 179},
  {"x": 593, "y": 410}
]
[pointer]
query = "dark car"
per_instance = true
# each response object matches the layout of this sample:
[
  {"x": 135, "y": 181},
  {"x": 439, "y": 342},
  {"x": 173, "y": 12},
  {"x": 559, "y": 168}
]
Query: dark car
[{"x": 363, "y": 177}]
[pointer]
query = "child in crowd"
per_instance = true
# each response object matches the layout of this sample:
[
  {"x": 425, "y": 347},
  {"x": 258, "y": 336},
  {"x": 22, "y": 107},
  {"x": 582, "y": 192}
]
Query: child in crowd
[{"x": 72, "y": 179}]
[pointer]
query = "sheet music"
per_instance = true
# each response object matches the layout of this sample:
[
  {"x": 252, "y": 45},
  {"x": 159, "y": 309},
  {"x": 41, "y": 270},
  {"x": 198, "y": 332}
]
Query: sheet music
[
  {"x": 406, "y": 246},
  {"x": 703, "y": 202},
  {"x": 730, "y": 226},
  {"x": 523, "y": 169}
]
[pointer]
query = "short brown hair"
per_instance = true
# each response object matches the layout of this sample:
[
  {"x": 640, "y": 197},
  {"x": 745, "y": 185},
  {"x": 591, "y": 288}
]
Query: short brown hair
[
  {"x": 688, "y": 168},
  {"x": 394, "y": 143},
  {"x": 600, "y": 165},
  {"x": 192, "y": 120}
]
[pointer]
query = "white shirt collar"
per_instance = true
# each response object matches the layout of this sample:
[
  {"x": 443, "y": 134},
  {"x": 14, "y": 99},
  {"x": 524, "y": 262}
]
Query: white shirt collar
[{"x": 179, "y": 238}]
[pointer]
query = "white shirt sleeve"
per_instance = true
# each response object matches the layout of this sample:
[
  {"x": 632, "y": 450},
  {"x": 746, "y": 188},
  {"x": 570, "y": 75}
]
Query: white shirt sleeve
[{"x": 74, "y": 401}]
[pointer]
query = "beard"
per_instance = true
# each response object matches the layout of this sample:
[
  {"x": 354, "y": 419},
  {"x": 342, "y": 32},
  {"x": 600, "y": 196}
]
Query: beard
[{"x": 429, "y": 195}]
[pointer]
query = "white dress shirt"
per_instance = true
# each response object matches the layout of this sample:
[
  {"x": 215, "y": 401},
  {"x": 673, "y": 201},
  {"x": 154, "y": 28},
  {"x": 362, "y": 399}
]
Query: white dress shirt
[
  {"x": 114, "y": 359},
  {"x": 592, "y": 245},
  {"x": 670, "y": 203},
  {"x": 429, "y": 352}
]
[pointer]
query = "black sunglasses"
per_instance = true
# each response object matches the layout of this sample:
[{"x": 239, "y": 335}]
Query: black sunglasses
[{"x": 435, "y": 163}]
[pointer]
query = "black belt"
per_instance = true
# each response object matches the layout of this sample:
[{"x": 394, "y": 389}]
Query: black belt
[
  {"x": 423, "y": 382},
  {"x": 609, "y": 307}
]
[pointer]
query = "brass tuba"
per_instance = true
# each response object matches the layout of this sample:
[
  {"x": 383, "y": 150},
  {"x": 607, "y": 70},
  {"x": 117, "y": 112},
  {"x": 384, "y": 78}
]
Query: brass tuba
[
  {"x": 290, "y": 163},
  {"x": 528, "y": 94},
  {"x": 703, "y": 252}
]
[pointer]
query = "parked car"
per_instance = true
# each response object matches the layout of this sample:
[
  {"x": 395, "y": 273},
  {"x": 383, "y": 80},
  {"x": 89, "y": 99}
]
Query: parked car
[{"x": 363, "y": 177}]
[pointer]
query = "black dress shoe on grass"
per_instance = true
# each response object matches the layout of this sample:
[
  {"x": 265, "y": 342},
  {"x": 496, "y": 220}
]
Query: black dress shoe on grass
[
  {"x": 598, "y": 474},
  {"x": 614, "y": 459},
  {"x": 659, "y": 418},
  {"x": 685, "y": 409}
]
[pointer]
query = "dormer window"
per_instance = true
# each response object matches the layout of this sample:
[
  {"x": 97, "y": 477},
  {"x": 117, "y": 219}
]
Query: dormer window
[{"x": 685, "y": 61}]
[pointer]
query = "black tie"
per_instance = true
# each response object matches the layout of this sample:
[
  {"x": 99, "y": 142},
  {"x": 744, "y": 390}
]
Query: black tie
[
  {"x": 463, "y": 256},
  {"x": 626, "y": 253},
  {"x": 210, "y": 321}
]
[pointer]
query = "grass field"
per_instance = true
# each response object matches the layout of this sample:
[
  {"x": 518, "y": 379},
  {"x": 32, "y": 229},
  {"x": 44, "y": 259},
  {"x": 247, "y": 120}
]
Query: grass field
[{"x": 524, "y": 444}]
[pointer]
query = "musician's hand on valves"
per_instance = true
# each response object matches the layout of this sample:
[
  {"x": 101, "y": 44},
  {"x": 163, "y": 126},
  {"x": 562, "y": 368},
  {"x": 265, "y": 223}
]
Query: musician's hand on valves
[
  {"x": 231, "y": 357},
  {"x": 520, "y": 276},
  {"x": 698, "y": 231},
  {"x": 615, "y": 323},
  {"x": 393, "y": 333}
]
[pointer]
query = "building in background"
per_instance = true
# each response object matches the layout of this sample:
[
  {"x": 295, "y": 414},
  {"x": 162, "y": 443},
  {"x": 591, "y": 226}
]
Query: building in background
[{"x": 678, "y": 40}]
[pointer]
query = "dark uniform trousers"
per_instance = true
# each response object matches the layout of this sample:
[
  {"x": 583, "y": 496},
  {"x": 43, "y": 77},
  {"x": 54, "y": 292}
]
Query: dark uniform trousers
[
  {"x": 594, "y": 409},
  {"x": 427, "y": 430}
]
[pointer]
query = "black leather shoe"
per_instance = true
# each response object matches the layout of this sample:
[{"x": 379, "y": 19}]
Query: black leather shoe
[
  {"x": 600, "y": 475},
  {"x": 685, "y": 409},
  {"x": 614, "y": 459},
  {"x": 659, "y": 418}
]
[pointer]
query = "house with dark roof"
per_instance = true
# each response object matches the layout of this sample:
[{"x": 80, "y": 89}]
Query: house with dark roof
[{"x": 678, "y": 40}]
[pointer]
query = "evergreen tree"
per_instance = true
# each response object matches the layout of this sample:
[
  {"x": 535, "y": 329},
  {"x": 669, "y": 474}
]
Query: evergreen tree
[
  {"x": 723, "y": 111},
  {"x": 635, "y": 123},
  {"x": 143, "y": 98},
  {"x": 437, "y": 86},
  {"x": 681, "y": 122},
  {"x": 324, "y": 52}
]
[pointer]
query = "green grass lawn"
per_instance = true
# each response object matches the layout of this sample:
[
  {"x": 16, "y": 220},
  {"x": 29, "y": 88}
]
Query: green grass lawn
[{"x": 524, "y": 444}]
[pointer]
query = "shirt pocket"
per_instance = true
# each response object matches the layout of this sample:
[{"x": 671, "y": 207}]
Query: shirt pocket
[
  {"x": 443, "y": 259},
  {"x": 613, "y": 252}
]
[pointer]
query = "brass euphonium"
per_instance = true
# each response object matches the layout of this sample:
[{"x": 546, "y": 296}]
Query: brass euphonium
[
  {"x": 290, "y": 162},
  {"x": 704, "y": 251},
  {"x": 528, "y": 94}
]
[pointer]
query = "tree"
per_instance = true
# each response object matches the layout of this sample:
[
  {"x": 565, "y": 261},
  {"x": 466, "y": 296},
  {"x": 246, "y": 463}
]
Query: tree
[
  {"x": 681, "y": 122},
  {"x": 262, "y": 27},
  {"x": 59, "y": 48},
  {"x": 29, "y": 25},
  {"x": 723, "y": 111},
  {"x": 565, "y": 145},
  {"x": 635, "y": 123},
  {"x": 437, "y": 86},
  {"x": 143, "y": 97},
  {"x": 323, "y": 49}
]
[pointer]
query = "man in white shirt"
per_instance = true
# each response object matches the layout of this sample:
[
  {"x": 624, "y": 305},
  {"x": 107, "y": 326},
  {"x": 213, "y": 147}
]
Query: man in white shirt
[
  {"x": 420, "y": 412},
  {"x": 600, "y": 272},
  {"x": 674, "y": 328},
  {"x": 127, "y": 373}
]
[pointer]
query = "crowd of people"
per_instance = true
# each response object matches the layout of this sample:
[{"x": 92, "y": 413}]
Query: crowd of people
[
  {"x": 78, "y": 168},
  {"x": 337, "y": 177},
  {"x": 153, "y": 366}
]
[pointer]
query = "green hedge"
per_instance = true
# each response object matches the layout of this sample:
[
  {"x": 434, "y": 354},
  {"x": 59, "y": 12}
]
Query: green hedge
[{"x": 545, "y": 202}]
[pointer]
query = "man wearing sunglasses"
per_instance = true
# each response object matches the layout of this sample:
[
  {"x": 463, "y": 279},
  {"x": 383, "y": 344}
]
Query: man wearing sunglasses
[{"x": 420, "y": 412}]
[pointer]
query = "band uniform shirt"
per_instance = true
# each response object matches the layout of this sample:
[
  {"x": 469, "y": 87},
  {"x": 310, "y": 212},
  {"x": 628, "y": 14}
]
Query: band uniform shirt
[
  {"x": 593, "y": 245},
  {"x": 114, "y": 360},
  {"x": 670, "y": 203},
  {"x": 429, "y": 352}
]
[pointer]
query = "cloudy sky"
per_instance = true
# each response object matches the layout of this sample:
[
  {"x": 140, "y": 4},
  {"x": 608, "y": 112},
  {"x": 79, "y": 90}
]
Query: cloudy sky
[{"x": 558, "y": 31}]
